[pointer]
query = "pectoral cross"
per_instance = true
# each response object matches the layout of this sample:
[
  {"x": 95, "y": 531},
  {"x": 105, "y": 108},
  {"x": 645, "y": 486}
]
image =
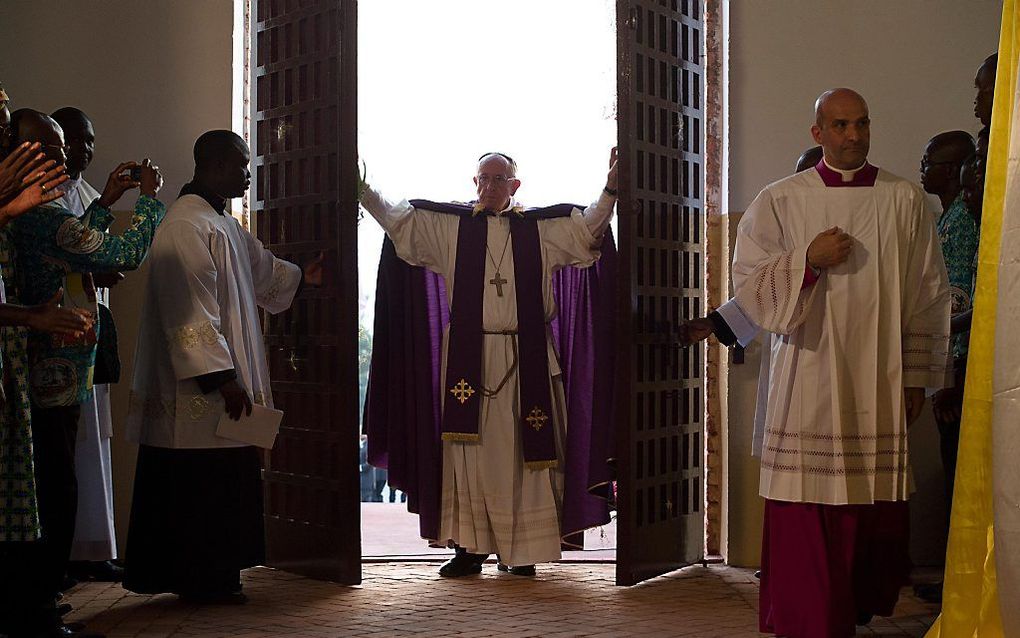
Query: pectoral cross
[{"x": 498, "y": 282}]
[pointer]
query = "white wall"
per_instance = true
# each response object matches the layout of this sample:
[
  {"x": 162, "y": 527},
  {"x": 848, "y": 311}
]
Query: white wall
[
  {"x": 152, "y": 75},
  {"x": 914, "y": 61}
]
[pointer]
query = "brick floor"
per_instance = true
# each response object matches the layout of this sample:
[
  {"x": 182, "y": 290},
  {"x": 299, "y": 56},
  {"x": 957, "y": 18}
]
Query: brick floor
[{"x": 410, "y": 599}]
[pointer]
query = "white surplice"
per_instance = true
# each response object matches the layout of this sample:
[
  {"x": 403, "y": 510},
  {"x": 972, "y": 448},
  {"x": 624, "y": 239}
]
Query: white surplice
[
  {"x": 207, "y": 278},
  {"x": 491, "y": 502},
  {"x": 94, "y": 536},
  {"x": 845, "y": 347}
]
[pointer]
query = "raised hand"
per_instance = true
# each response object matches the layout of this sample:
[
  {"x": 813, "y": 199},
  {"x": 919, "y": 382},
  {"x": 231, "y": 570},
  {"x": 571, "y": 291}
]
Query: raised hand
[
  {"x": 118, "y": 183},
  {"x": 16, "y": 166},
  {"x": 40, "y": 188},
  {"x": 50, "y": 317},
  {"x": 830, "y": 248},
  {"x": 235, "y": 400},
  {"x": 612, "y": 180},
  {"x": 152, "y": 179},
  {"x": 315, "y": 271},
  {"x": 696, "y": 330}
]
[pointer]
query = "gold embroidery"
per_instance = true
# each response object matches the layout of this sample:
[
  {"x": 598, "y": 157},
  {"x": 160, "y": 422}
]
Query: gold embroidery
[
  {"x": 260, "y": 399},
  {"x": 462, "y": 437},
  {"x": 279, "y": 279},
  {"x": 537, "y": 418},
  {"x": 462, "y": 391},
  {"x": 150, "y": 407},
  {"x": 189, "y": 337},
  {"x": 199, "y": 407}
]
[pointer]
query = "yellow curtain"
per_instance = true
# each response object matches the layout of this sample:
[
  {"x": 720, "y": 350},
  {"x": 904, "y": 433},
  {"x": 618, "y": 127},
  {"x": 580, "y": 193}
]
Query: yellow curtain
[{"x": 970, "y": 605}]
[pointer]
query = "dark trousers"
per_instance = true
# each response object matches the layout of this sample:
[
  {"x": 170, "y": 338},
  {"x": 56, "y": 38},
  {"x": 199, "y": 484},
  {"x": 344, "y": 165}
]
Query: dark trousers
[
  {"x": 949, "y": 446},
  {"x": 33, "y": 572}
]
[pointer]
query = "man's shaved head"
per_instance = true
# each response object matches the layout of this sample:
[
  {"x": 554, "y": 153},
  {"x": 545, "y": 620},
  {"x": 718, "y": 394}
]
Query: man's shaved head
[
  {"x": 29, "y": 125},
  {"x": 69, "y": 115},
  {"x": 836, "y": 97},
  {"x": 842, "y": 128},
  {"x": 953, "y": 146},
  {"x": 940, "y": 165},
  {"x": 221, "y": 163},
  {"x": 216, "y": 146},
  {"x": 80, "y": 137}
]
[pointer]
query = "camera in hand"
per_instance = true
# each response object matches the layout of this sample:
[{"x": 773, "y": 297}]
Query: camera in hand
[{"x": 136, "y": 174}]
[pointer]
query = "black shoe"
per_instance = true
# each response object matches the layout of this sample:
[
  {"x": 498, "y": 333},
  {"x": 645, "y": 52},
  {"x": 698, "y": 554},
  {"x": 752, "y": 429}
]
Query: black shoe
[
  {"x": 214, "y": 598},
  {"x": 757, "y": 574},
  {"x": 521, "y": 570},
  {"x": 107, "y": 571},
  {"x": 57, "y": 630},
  {"x": 463, "y": 564}
]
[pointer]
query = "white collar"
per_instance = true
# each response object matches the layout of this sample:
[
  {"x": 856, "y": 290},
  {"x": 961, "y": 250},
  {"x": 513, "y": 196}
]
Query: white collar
[{"x": 847, "y": 175}]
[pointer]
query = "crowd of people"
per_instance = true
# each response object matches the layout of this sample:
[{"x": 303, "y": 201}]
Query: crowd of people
[
  {"x": 197, "y": 514},
  {"x": 830, "y": 433}
]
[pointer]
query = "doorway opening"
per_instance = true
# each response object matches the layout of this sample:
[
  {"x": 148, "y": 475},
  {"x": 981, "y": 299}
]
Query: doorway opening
[{"x": 439, "y": 84}]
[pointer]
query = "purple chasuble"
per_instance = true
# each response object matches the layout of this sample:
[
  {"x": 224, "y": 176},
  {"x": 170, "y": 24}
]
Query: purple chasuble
[
  {"x": 404, "y": 403},
  {"x": 865, "y": 175}
]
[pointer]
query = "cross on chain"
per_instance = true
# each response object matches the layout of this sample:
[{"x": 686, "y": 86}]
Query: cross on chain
[
  {"x": 462, "y": 391},
  {"x": 498, "y": 282},
  {"x": 537, "y": 418}
]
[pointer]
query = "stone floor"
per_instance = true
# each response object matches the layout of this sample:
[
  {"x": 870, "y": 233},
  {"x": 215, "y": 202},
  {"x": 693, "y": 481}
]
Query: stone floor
[{"x": 410, "y": 599}]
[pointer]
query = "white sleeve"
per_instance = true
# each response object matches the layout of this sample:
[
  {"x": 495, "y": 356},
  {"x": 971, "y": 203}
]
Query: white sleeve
[
  {"x": 276, "y": 280},
  {"x": 768, "y": 276},
  {"x": 743, "y": 328},
  {"x": 421, "y": 237},
  {"x": 597, "y": 216},
  {"x": 183, "y": 267}
]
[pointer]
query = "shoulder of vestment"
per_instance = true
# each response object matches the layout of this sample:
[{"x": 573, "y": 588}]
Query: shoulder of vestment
[{"x": 467, "y": 209}]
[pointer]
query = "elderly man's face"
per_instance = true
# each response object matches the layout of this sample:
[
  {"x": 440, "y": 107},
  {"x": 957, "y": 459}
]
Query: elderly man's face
[
  {"x": 844, "y": 131},
  {"x": 495, "y": 183}
]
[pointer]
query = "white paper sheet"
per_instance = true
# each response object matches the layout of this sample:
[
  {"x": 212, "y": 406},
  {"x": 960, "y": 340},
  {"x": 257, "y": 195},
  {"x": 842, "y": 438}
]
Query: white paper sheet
[{"x": 259, "y": 429}]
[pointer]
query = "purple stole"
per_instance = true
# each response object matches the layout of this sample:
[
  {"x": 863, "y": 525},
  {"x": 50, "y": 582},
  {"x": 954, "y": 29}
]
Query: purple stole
[
  {"x": 865, "y": 176},
  {"x": 463, "y": 393}
]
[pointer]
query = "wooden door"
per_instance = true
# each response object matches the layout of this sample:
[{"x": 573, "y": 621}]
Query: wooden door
[
  {"x": 304, "y": 155},
  {"x": 661, "y": 482}
]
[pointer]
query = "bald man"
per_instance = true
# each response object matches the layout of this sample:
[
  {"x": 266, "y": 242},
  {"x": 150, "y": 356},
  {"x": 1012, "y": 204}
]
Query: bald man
[
  {"x": 196, "y": 516},
  {"x": 843, "y": 263},
  {"x": 984, "y": 82}
]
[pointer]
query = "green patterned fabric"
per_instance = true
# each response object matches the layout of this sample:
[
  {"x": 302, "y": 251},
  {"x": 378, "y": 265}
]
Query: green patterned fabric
[
  {"x": 19, "y": 515},
  {"x": 50, "y": 244},
  {"x": 958, "y": 234}
]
